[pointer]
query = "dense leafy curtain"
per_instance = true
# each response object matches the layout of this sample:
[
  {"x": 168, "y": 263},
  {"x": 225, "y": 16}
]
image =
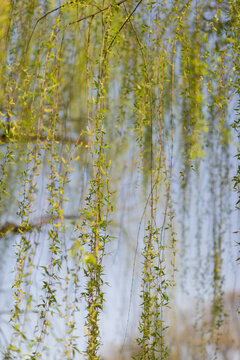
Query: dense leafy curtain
[{"x": 119, "y": 123}]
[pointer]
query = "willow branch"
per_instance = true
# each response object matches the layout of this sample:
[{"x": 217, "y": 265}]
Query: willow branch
[
  {"x": 4, "y": 139},
  {"x": 13, "y": 228},
  {"x": 43, "y": 17},
  {"x": 96, "y": 13},
  {"x": 124, "y": 23}
]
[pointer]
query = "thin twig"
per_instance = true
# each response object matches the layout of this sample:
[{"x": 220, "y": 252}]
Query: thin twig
[
  {"x": 43, "y": 17},
  {"x": 124, "y": 23},
  {"x": 96, "y": 13}
]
